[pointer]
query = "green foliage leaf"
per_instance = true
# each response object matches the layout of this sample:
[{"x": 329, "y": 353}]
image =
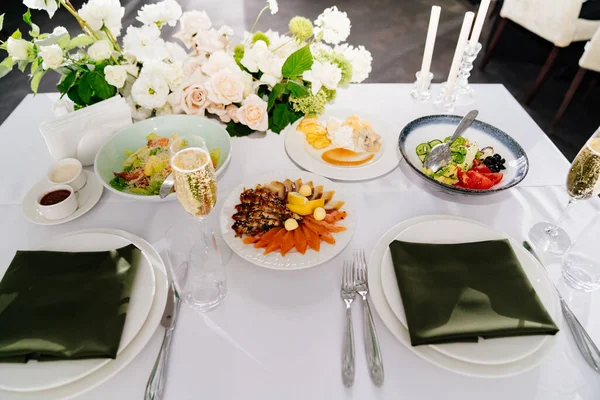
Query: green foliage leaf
[
  {"x": 79, "y": 41},
  {"x": 298, "y": 62},
  {"x": 27, "y": 17},
  {"x": 282, "y": 116},
  {"x": 6, "y": 66},
  {"x": 35, "y": 31},
  {"x": 99, "y": 85},
  {"x": 23, "y": 65},
  {"x": 276, "y": 93},
  {"x": 297, "y": 90},
  {"x": 16, "y": 34},
  {"x": 63, "y": 40},
  {"x": 238, "y": 130},
  {"x": 35, "y": 64},
  {"x": 1, "y": 21},
  {"x": 73, "y": 95},
  {"x": 84, "y": 89},
  {"x": 67, "y": 82},
  {"x": 35, "y": 81}
]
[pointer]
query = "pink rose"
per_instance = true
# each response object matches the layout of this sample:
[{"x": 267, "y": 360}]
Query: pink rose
[
  {"x": 253, "y": 113},
  {"x": 194, "y": 99},
  {"x": 232, "y": 113},
  {"x": 218, "y": 109}
]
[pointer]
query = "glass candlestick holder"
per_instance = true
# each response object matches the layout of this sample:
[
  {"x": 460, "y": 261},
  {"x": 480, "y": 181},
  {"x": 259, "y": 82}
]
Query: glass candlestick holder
[
  {"x": 464, "y": 91},
  {"x": 445, "y": 102},
  {"x": 422, "y": 88}
]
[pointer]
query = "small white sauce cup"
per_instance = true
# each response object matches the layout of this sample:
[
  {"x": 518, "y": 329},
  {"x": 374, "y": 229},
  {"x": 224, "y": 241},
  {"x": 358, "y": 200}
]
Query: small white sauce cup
[
  {"x": 59, "y": 210},
  {"x": 77, "y": 181}
]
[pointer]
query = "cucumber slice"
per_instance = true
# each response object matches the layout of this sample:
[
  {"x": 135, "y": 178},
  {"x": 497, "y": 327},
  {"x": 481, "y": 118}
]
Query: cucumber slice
[
  {"x": 422, "y": 157},
  {"x": 458, "y": 158},
  {"x": 423, "y": 149},
  {"x": 434, "y": 143}
]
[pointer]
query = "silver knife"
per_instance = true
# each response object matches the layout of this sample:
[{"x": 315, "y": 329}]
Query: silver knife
[
  {"x": 156, "y": 383},
  {"x": 584, "y": 342}
]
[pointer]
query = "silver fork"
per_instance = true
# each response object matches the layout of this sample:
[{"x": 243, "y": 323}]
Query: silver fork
[
  {"x": 372, "y": 349},
  {"x": 348, "y": 295}
]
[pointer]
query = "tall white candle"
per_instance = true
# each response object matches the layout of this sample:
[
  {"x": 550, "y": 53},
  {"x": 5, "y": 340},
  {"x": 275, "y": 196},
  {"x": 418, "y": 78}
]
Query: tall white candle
[
  {"x": 481, "y": 13},
  {"x": 434, "y": 20},
  {"x": 458, "y": 53}
]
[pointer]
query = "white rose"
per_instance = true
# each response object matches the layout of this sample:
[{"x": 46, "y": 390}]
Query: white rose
[
  {"x": 171, "y": 73},
  {"x": 218, "y": 61},
  {"x": 150, "y": 91},
  {"x": 116, "y": 75},
  {"x": 323, "y": 74},
  {"x": 210, "y": 41},
  {"x": 248, "y": 82},
  {"x": 193, "y": 65},
  {"x": 103, "y": 13},
  {"x": 165, "y": 12},
  {"x": 50, "y": 6},
  {"x": 144, "y": 43},
  {"x": 138, "y": 113},
  {"x": 193, "y": 99},
  {"x": 232, "y": 113},
  {"x": 52, "y": 56},
  {"x": 100, "y": 50},
  {"x": 191, "y": 23},
  {"x": 18, "y": 49},
  {"x": 175, "y": 53},
  {"x": 253, "y": 113},
  {"x": 219, "y": 110},
  {"x": 225, "y": 87}
]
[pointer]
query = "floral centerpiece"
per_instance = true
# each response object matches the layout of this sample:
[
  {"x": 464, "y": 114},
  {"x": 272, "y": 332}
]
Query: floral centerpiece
[{"x": 265, "y": 81}]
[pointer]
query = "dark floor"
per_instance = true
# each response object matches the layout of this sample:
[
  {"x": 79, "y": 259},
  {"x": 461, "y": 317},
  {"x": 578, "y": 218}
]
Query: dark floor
[{"x": 394, "y": 31}]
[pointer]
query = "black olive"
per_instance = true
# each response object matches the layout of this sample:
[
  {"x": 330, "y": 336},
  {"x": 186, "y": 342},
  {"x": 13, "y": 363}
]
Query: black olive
[
  {"x": 503, "y": 161},
  {"x": 497, "y": 157}
]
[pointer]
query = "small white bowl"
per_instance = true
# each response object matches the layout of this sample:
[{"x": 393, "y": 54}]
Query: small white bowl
[
  {"x": 59, "y": 210},
  {"x": 76, "y": 178}
]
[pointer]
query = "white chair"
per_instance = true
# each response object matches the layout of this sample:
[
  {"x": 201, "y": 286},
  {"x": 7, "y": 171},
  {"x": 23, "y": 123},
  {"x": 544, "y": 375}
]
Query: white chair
[
  {"x": 554, "y": 20},
  {"x": 590, "y": 60}
]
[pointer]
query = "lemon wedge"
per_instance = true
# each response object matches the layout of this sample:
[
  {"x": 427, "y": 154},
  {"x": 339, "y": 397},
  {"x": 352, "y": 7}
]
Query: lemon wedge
[{"x": 296, "y": 198}]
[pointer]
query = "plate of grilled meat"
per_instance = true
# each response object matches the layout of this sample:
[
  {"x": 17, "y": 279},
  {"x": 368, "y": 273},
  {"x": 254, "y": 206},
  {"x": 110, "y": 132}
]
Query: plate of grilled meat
[{"x": 287, "y": 221}]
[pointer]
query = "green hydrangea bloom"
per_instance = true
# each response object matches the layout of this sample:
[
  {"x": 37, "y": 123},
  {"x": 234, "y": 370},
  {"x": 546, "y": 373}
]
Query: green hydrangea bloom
[
  {"x": 301, "y": 27},
  {"x": 341, "y": 61},
  {"x": 313, "y": 104},
  {"x": 238, "y": 53},
  {"x": 261, "y": 36}
]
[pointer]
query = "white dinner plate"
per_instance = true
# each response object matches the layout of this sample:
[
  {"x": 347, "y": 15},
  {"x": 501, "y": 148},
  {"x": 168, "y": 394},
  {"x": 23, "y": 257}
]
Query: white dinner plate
[
  {"x": 35, "y": 376},
  {"x": 492, "y": 351},
  {"x": 107, "y": 371},
  {"x": 293, "y": 259},
  {"x": 384, "y": 161},
  {"x": 426, "y": 352},
  {"x": 87, "y": 197}
]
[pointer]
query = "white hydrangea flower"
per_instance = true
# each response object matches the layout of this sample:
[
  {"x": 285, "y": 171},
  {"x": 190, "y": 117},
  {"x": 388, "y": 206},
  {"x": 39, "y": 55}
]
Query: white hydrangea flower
[
  {"x": 166, "y": 12},
  {"x": 18, "y": 49},
  {"x": 150, "y": 91},
  {"x": 323, "y": 74},
  {"x": 360, "y": 58},
  {"x": 116, "y": 75},
  {"x": 59, "y": 31},
  {"x": 138, "y": 113},
  {"x": 333, "y": 26},
  {"x": 217, "y": 61},
  {"x": 103, "y": 13},
  {"x": 191, "y": 23},
  {"x": 100, "y": 50},
  {"x": 273, "y": 6},
  {"x": 144, "y": 43},
  {"x": 175, "y": 53},
  {"x": 52, "y": 56},
  {"x": 50, "y": 6}
]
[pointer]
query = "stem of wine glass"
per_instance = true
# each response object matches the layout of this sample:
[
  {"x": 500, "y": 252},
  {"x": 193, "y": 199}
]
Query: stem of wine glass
[
  {"x": 206, "y": 232},
  {"x": 552, "y": 231}
]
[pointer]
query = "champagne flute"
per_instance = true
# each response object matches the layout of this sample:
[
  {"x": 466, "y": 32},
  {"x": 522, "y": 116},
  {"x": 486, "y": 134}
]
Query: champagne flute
[
  {"x": 583, "y": 182},
  {"x": 203, "y": 286}
]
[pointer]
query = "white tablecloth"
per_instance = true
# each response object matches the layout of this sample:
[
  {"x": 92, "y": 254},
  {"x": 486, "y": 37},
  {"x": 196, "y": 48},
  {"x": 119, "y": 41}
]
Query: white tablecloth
[{"x": 278, "y": 334}]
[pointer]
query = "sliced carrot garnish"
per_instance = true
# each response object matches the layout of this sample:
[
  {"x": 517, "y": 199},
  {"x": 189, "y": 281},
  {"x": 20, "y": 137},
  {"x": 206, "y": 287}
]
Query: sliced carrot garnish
[
  {"x": 312, "y": 237},
  {"x": 276, "y": 241},
  {"x": 250, "y": 239},
  {"x": 327, "y": 238},
  {"x": 266, "y": 238},
  {"x": 287, "y": 243},
  {"x": 300, "y": 240}
]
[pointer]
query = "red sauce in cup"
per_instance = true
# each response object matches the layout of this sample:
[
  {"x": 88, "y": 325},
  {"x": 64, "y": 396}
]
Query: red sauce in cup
[{"x": 55, "y": 197}]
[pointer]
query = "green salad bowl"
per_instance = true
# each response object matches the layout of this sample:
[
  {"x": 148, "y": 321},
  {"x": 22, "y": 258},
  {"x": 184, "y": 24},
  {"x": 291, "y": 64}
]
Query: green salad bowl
[{"x": 111, "y": 155}]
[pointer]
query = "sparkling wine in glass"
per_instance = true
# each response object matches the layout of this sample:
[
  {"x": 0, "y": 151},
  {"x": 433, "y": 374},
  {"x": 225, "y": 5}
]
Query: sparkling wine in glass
[
  {"x": 583, "y": 182},
  {"x": 203, "y": 286}
]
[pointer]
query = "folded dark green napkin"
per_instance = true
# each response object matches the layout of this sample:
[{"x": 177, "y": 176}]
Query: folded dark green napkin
[
  {"x": 459, "y": 292},
  {"x": 59, "y": 305}
]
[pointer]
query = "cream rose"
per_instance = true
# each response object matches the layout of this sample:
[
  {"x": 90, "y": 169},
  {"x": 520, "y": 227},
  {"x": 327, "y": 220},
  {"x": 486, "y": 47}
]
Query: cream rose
[
  {"x": 52, "y": 56},
  {"x": 18, "y": 49},
  {"x": 116, "y": 75},
  {"x": 219, "y": 110},
  {"x": 100, "y": 50},
  {"x": 225, "y": 87},
  {"x": 193, "y": 66},
  {"x": 253, "y": 113},
  {"x": 194, "y": 99},
  {"x": 232, "y": 113}
]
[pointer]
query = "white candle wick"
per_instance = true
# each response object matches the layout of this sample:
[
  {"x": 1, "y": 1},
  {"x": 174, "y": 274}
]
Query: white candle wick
[
  {"x": 481, "y": 14},
  {"x": 458, "y": 53},
  {"x": 434, "y": 20}
]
